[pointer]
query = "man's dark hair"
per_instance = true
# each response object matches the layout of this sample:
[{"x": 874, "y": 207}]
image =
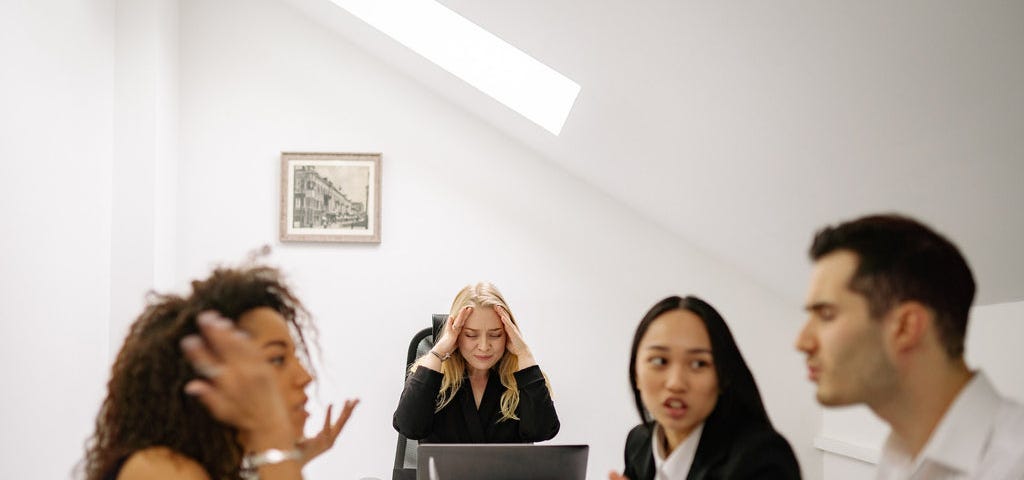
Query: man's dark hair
[{"x": 901, "y": 259}]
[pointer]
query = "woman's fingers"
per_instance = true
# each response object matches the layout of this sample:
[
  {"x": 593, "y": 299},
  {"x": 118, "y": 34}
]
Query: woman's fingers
[
  {"x": 208, "y": 364},
  {"x": 515, "y": 344},
  {"x": 460, "y": 319},
  {"x": 223, "y": 339},
  {"x": 334, "y": 428},
  {"x": 324, "y": 440},
  {"x": 236, "y": 385},
  {"x": 511, "y": 328},
  {"x": 452, "y": 327},
  {"x": 219, "y": 406},
  {"x": 203, "y": 360},
  {"x": 505, "y": 318},
  {"x": 346, "y": 412},
  {"x": 327, "y": 418}
]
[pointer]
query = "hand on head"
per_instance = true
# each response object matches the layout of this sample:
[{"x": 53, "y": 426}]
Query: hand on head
[
  {"x": 613, "y": 475},
  {"x": 448, "y": 342},
  {"x": 238, "y": 386},
  {"x": 515, "y": 343}
]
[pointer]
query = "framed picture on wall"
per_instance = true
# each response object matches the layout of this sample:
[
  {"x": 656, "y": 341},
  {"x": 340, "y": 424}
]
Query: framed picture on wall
[{"x": 330, "y": 197}]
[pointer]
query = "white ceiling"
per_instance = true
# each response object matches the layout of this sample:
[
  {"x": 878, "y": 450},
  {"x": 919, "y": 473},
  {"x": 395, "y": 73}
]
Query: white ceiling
[{"x": 743, "y": 127}]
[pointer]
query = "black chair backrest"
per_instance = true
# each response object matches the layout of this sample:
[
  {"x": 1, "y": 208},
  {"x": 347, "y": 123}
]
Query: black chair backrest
[{"x": 421, "y": 343}]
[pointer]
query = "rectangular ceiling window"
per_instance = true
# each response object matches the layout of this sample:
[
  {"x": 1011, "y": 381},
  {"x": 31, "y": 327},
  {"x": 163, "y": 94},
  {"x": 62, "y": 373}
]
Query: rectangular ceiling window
[{"x": 473, "y": 54}]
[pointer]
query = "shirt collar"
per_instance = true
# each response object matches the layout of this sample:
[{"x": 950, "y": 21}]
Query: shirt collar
[
  {"x": 678, "y": 463},
  {"x": 963, "y": 433}
]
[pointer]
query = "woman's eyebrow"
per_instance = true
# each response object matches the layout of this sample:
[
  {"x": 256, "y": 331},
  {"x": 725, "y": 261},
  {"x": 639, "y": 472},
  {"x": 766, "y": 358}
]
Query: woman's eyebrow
[
  {"x": 662, "y": 348},
  {"x": 276, "y": 343}
]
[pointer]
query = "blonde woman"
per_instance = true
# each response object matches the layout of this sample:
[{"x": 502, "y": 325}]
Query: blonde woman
[{"x": 480, "y": 382}]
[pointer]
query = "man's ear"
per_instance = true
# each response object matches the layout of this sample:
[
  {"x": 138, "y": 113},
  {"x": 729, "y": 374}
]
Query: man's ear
[{"x": 910, "y": 324}]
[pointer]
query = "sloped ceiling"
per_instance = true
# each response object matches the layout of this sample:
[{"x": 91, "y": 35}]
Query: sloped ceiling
[{"x": 743, "y": 127}]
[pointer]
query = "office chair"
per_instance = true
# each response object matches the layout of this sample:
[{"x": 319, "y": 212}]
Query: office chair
[{"x": 421, "y": 343}]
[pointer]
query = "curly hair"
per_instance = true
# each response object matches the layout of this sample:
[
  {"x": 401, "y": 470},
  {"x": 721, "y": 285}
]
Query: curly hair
[{"x": 146, "y": 405}]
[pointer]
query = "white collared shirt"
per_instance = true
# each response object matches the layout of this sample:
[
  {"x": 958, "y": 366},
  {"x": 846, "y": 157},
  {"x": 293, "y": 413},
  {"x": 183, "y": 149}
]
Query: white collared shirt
[
  {"x": 981, "y": 436},
  {"x": 678, "y": 463}
]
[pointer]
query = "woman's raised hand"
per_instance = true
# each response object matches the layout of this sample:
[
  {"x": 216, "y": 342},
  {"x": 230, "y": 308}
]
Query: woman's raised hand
[
  {"x": 323, "y": 441},
  {"x": 613, "y": 475},
  {"x": 449, "y": 340},
  {"x": 237, "y": 385},
  {"x": 515, "y": 343}
]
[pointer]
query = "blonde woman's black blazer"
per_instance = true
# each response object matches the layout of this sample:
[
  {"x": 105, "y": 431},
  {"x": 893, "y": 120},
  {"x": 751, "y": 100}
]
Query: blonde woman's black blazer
[{"x": 461, "y": 422}]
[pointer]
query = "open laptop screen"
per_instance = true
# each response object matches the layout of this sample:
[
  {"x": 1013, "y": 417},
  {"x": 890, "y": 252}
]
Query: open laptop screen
[{"x": 496, "y": 461}]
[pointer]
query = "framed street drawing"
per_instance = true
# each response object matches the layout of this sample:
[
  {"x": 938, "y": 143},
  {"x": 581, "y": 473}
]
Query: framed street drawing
[{"x": 330, "y": 197}]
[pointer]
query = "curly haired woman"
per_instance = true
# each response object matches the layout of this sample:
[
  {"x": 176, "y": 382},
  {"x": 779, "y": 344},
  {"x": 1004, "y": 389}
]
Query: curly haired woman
[{"x": 211, "y": 386}]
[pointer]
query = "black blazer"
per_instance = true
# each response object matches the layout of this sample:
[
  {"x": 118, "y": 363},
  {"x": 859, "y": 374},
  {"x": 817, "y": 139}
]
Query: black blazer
[
  {"x": 461, "y": 422},
  {"x": 758, "y": 453}
]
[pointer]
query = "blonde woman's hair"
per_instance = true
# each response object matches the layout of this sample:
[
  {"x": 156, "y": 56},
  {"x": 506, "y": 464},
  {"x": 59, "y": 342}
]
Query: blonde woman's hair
[{"x": 479, "y": 296}]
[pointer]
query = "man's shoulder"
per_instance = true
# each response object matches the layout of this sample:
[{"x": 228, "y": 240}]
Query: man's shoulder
[
  {"x": 1004, "y": 453},
  {"x": 1009, "y": 421},
  {"x": 1007, "y": 413}
]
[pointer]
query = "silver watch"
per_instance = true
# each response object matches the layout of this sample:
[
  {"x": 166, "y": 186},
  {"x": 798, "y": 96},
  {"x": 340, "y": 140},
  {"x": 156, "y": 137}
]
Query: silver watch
[
  {"x": 253, "y": 461},
  {"x": 441, "y": 357}
]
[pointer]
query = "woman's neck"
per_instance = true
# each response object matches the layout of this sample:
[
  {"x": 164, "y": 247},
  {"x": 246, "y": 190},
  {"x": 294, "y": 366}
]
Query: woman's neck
[
  {"x": 671, "y": 439},
  {"x": 475, "y": 374}
]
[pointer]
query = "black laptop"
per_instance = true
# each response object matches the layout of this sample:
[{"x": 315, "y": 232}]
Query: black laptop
[{"x": 499, "y": 461}]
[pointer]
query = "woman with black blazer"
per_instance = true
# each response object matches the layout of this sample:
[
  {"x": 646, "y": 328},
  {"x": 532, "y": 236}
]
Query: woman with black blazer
[
  {"x": 480, "y": 382},
  {"x": 701, "y": 413}
]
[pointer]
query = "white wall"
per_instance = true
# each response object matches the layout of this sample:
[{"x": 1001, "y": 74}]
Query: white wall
[
  {"x": 461, "y": 203},
  {"x": 56, "y": 124},
  {"x": 145, "y": 157},
  {"x": 853, "y": 437}
]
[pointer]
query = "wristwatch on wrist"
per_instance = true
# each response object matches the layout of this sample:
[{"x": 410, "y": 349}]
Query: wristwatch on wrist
[
  {"x": 253, "y": 461},
  {"x": 441, "y": 357}
]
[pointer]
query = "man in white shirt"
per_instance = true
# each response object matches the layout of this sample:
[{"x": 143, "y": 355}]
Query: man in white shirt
[{"x": 888, "y": 305}]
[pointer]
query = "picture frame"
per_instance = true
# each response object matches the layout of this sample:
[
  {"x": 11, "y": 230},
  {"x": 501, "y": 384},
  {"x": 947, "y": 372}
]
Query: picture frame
[{"x": 330, "y": 197}]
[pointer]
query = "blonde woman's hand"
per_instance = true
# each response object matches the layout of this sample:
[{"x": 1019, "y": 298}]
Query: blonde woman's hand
[
  {"x": 323, "y": 441},
  {"x": 448, "y": 342},
  {"x": 613, "y": 475},
  {"x": 515, "y": 343},
  {"x": 237, "y": 385}
]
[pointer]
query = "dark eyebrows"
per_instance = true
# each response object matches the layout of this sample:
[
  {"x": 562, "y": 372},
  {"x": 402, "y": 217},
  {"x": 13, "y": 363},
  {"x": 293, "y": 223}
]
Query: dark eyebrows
[
  {"x": 818, "y": 307},
  {"x": 276, "y": 343},
  {"x": 661, "y": 348}
]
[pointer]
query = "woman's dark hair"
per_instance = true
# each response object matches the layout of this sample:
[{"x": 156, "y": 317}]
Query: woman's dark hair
[
  {"x": 146, "y": 405},
  {"x": 739, "y": 402}
]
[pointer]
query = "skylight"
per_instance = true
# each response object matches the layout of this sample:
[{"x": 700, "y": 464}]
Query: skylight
[{"x": 473, "y": 54}]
